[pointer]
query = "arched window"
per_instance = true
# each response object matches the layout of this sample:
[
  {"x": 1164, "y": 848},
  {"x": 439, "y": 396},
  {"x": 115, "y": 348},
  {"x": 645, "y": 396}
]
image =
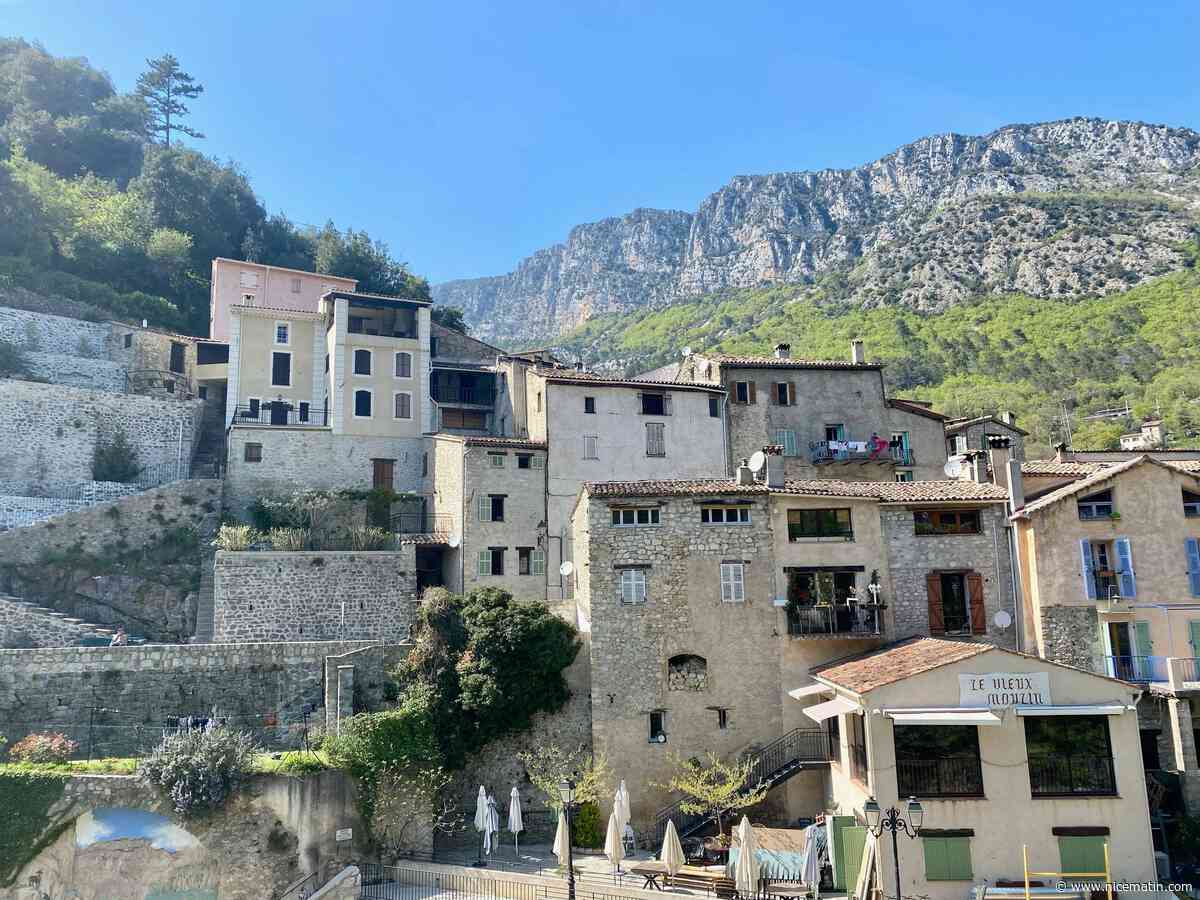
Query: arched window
[
  {"x": 687, "y": 672},
  {"x": 362, "y": 362},
  {"x": 362, "y": 404}
]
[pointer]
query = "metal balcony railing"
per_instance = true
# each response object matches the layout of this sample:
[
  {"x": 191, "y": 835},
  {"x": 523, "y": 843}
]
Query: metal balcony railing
[
  {"x": 422, "y": 523},
  {"x": 852, "y": 451},
  {"x": 903, "y": 456},
  {"x": 950, "y": 777},
  {"x": 1058, "y": 775},
  {"x": 839, "y": 620},
  {"x": 276, "y": 413},
  {"x": 1138, "y": 669}
]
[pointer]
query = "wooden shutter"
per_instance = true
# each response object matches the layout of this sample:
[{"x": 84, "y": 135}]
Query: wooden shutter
[
  {"x": 933, "y": 588},
  {"x": 666, "y": 404},
  {"x": 1089, "y": 580},
  {"x": 753, "y": 398},
  {"x": 1125, "y": 572},
  {"x": 1081, "y": 855},
  {"x": 774, "y": 401},
  {"x": 975, "y": 596},
  {"x": 947, "y": 859},
  {"x": 1145, "y": 646},
  {"x": 733, "y": 391},
  {"x": 791, "y": 393},
  {"x": 854, "y": 841},
  {"x": 1192, "y": 549}
]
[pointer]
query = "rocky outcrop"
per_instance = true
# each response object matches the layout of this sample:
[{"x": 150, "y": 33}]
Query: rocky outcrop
[{"x": 1057, "y": 209}]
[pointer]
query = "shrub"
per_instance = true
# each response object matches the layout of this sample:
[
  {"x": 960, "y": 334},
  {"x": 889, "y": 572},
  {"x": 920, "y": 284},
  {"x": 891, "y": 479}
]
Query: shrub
[
  {"x": 300, "y": 762},
  {"x": 368, "y": 537},
  {"x": 13, "y": 363},
  {"x": 115, "y": 459},
  {"x": 587, "y": 828},
  {"x": 289, "y": 538},
  {"x": 43, "y": 747},
  {"x": 199, "y": 769},
  {"x": 235, "y": 537}
]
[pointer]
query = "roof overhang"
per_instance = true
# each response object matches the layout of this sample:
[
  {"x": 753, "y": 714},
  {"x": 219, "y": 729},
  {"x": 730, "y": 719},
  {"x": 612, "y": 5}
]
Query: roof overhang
[
  {"x": 830, "y": 708},
  {"x": 1081, "y": 709},
  {"x": 809, "y": 690}
]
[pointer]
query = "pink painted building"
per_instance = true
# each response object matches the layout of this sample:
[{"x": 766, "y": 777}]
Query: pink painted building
[{"x": 238, "y": 283}]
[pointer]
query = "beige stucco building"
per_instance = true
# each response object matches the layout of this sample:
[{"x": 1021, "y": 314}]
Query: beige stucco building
[{"x": 236, "y": 282}]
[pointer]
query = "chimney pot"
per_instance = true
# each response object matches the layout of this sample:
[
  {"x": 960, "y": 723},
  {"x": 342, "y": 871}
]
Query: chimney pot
[
  {"x": 858, "y": 352},
  {"x": 744, "y": 474},
  {"x": 783, "y": 351},
  {"x": 1008, "y": 417},
  {"x": 1060, "y": 452},
  {"x": 774, "y": 474}
]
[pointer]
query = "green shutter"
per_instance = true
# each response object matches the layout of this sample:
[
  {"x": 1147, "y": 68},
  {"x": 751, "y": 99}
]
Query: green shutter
[
  {"x": 853, "y": 841},
  {"x": 1081, "y": 855},
  {"x": 1194, "y": 635},
  {"x": 1145, "y": 646},
  {"x": 836, "y": 827},
  {"x": 947, "y": 859}
]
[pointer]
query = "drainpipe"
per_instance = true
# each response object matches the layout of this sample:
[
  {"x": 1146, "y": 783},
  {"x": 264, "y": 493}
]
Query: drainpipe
[
  {"x": 1014, "y": 566},
  {"x": 462, "y": 538},
  {"x": 725, "y": 427}
]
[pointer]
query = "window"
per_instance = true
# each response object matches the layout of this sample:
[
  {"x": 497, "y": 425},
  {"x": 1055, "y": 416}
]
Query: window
[
  {"x": 733, "y": 584},
  {"x": 1191, "y": 504},
  {"x": 833, "y": 739},
  {"x": 468, "y": 420},
  {"x": 356, "y": 325},
  {"x": 782, "y": 394},
  {"x": 537, "y": 562},
  {"x": 254, "y": 407},
  {"x": 589, "y": 446},
  {"x": 658, "y": 727},
  {"x": 655, "y": 404},
  {"x": 496, "y": 460},
  {"x": 128, "y": 341},
  {"x": 403, "y": 365},
  {"x": 282, "y": 334},
  {"x": 402, "y": 406},
  {"x": 743, "y": 392},
  {"x": 1191, "y": 550},
  {"x": 524, "y": 460},
  {"x": 524, "y": 563},
  {"x": 252, "y": 453},
  {"x": 1096, "y": 506},
  {"x": 169, "y": 386},
  {"x": 281, "y": 369},
  {"x": 806, "y": 524},
  {"x": 725, "y": 515},
  {"x": 714, "y": 407},
  {"x": 1108, "y": 569},
  {"x": 722, "y": 718},
  {"x": 645, "y": 515},
  {"x": 820, "y": 587},
  {"x": 956, "y": 603},
  {"x": 947, "y": 858},
  {"x": 589, "y": 405},
  {"x": 295, "y": 285},
  {"x": 656, "y": 440},
  {"x": 433, "y": 346},
  {"x": 905, "y": 475},
  {"x": 946, "y": 521},
  {"x": 326, "y": 362},
  {"x": 489, "y": 507},
  {"x": 835, "y": 432},
  {"x": 247, "y": 299},
  {"x": 786, "y": 438},
  {"x": 539, "y": 401},
  {"x": 202, "y": 392},
  {"x": 858, "y": 747},
  {"x": 1069, "y": 755},
  {"x": 424, "y": 465},
  {"x": 491, "y": 561},
  {"x": 304, "y": 411},
  {"x": 175, "y": 364},
  {"x": 538, "y": 462},
  {"x": 248, "y": 279},
  {"x": 211, "y": 354},
  {"x": 362, "y": 362},
  {"x": 362, "y": 404},
  {"x": 632, "y": 585},
  {"x": 938, "y": 761}
]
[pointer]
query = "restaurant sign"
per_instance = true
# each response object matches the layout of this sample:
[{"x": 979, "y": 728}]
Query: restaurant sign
[{"x": 1005, "y": 689}]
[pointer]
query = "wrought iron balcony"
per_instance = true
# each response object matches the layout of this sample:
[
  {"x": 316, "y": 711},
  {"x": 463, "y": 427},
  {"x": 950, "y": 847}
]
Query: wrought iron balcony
[
  {"x": 422, "y": 523},
  {"x": 1058, "y": 775},
  {"x": 1138, "y": 669},
  {"x": 274, "y": 412},
  {"x": 951, "y": 777},
  {"x": 826, "y": 452},
  {"x": 839, "y": 620}
]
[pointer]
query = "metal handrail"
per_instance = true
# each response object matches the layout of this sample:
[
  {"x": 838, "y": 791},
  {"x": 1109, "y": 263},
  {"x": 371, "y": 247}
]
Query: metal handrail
[
  {"x": 280, "y": 413},
  {"x": 945, "y": 777},
  {"x": 422, "y": 523},
  {"x": 1057, "y": 774},
  {"x": 301, "y": 889}
]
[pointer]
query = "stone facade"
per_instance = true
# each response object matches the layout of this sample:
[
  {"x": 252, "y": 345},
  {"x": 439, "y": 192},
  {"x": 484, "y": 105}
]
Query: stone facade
[
  {"x": 972, "y": 434},
  {"x": 26, "y": 502},
  {"x": 37, "y": 332},
  {"x": 24, "y": 624},
  {"x": 317, "y": 596},
  {"x": 913, "y": 556},
  {"x": 1069, "y": 635},
  {"x": 261, "y": 688},
  {"x": 52, "y": 431}
]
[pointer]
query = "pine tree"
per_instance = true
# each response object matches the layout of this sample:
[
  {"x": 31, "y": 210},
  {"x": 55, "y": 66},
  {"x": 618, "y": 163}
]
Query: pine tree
[{"x": 164, "y": 88}]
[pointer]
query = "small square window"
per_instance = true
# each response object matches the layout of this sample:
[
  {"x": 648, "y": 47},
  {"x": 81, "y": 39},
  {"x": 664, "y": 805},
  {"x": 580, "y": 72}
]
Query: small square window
[
  {"x": 722, "y": 719},
  {"x": 128, "y": 341},
  {"x": 282, "y": 333},
  {"x": 714, "y": 407},
  {"x": 589, "y": 404},
  {"x": 247, "y": 299},
  {"x": 295, "y": 285},
  {"x": 496, "y": 460},
  {"x": 538, "y": 462},
  {"x": 632, "y": 586},
  {"x": 202, "y": 392},
  {"x": 252, "y": 453},
  {"x": 524, "y": 460},
  {"x": 524, "y": 560},
  {"x": 589, "y": 446}
]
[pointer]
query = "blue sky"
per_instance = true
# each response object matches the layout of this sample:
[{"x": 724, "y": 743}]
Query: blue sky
[{"x": 467, "y": 135}]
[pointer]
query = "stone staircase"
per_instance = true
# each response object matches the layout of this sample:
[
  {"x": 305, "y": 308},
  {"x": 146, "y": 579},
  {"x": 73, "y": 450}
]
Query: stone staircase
[
  {"x": 26, "y": 624},
  {"x": 204, "y": 603},
  {"x": 209, "y": 458}
]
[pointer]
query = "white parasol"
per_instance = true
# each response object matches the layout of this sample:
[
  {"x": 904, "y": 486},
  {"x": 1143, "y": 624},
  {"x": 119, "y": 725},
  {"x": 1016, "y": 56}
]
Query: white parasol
[
  {"x": 613, "y": 848},
  {"x": 671, "y": 854},
  {"x": 515, "y": 823},
  {"x": 746, "y": 875}
]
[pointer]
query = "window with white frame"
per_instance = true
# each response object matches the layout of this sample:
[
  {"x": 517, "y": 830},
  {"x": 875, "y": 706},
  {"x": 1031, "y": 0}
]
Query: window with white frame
[
  {"x": 247, "y": 299},
  {"x": 733, "y": 586},
  {"x": 362, "y": 362},
  {"x": 496, "y": 460},
  {"x": 295, "y": 285},
  {"x": 403, "y": 365},
  {"x": 786, "y": 438},
  {"x": 362, "y": 404},
  {"x": 635, "y": 515},
  {"x": 725, "y": 515},
  {"x": 403, "y": 405},
  {"x": 283, "y": 334},
  {"x": 589, "y": 446},
  {"x": 537, "y": 562},
  {"x": 632, "y": 585}
]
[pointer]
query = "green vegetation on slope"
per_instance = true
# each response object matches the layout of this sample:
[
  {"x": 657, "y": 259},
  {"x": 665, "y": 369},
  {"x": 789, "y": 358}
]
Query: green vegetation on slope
[{"x": 1140, "y": 346}]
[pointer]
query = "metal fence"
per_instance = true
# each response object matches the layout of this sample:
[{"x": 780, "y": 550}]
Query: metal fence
[
  {"x": 947, "y": 777},
  {"x": 381, "y": 882},
  {"x": 1051, "y": 776},
  {"x": 280, "y": 413}
]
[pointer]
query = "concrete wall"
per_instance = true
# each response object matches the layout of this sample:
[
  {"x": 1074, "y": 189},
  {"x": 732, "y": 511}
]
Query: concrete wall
[
  {"x": 262, "y": 688},
  {"x": 250, "y": 367},
  {"x": 272, "y": 287},
  {"x": 913, "y": 556},
  {"x": 926, "y": 439},
  {"x": 314, "y": 596},
  {"x": 52, "y": 430}
]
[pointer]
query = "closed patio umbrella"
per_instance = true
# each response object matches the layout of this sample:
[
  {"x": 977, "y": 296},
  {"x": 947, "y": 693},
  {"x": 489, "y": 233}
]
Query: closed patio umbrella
[
  {"x": 493, "y": 824},
  {"x": 481, "y": 818},
  {"x": 562, "y": 839},
  {"x": 746, "y": 874},
  {"x": 515, "y": 823},
  {"x": 621, "y": 805},
  {"x": 671, "y": 854},
  {"x": 613, "y": 848}
]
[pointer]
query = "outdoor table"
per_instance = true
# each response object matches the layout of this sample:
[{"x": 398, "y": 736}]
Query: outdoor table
[{"x": 651, "y": 871}]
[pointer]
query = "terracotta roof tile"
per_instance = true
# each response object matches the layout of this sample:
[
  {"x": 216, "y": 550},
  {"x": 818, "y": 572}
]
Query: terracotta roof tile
[
  {"x": 602, "y": 381},
  {"x": 504, "y": 442},
  {"x": 915, "y": 408},
  {"x": 887, "y": 665},
  {"x": 882, "y": 491},
  {"x": 953, "y": 425},
  {"x": 774, "y": 362},
  {"x": 1095, "y": 479},
  {"x": 1049, "y": 468}
]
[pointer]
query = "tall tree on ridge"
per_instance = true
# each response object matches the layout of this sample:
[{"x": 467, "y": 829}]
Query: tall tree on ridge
[{"x": 164, "y": 88}]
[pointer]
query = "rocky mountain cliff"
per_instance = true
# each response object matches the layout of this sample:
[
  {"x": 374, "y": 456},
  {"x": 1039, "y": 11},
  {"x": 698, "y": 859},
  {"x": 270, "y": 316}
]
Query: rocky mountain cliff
[{"x": 1061, "y": 209}]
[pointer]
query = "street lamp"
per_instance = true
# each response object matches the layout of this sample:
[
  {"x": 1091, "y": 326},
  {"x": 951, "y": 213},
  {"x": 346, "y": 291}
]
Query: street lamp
[
  {"x": 879, "y": 822},
  {"x": 566, "y": 793}
]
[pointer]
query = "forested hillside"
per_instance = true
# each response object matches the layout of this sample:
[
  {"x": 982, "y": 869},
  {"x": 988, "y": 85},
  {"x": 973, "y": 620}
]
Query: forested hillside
[
  {"x": 98, "y": 208},
  {"x": 996, "y": 352}
]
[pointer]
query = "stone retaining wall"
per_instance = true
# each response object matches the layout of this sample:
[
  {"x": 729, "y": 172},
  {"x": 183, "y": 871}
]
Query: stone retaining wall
[
  {"x": 24, "y": 625},
  {"x": 77, "y": 371},
  {"x": 324, "y": 595},
  {"x": 41, "y": 332}
]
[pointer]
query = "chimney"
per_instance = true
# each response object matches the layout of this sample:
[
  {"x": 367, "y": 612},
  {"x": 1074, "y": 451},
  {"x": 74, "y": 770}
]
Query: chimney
[
  {"x": 858, "y": 353},
  {"x": 1008, "y": 417},
  {"x": 999, "y": 453},
  {"x": 1060, "y": 452},
  {"x": 744, "y": 475},
  {"x": 783, "y": 351},
  {"x": 1016, "y": 487},
  {"x": 774, "y": 455},
  {"x": 977, "y": 459},
  {"x": 579, "y": 365}
]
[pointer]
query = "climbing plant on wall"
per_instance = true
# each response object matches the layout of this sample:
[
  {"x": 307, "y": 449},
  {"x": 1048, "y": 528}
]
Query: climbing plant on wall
[{"x": 26, "y": 828}]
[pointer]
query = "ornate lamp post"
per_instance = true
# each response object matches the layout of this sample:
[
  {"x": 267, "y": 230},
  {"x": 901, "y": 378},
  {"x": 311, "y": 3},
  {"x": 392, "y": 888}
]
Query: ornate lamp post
[
  {"x": 879, "y": 822},
  {"x": 566, "y": 793}
]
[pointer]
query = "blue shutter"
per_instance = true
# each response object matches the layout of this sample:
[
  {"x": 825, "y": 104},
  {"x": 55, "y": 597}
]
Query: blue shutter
[
  {"x": 1089, "y": 580},
  {"x": 1193, "y": 560},
  {"x": 1126, "y": 575}
]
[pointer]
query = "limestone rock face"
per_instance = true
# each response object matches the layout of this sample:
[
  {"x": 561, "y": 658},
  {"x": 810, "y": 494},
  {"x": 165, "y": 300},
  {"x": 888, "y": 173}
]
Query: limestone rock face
[{"x": 1056, "y": 209}]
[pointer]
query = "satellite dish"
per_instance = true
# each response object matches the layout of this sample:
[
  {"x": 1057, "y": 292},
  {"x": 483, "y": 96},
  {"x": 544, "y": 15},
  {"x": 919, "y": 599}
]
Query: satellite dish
[
  {"x": 454, "y": 540},
  {"x": 661, "y": 738},
  {"x": 758, "y": 462},
  {"x": 1002, "y": 619},
  {"x": 566, "y": 569},
  {"x": 953, "y": 467},
  {"x": 686, "y": 351}
]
